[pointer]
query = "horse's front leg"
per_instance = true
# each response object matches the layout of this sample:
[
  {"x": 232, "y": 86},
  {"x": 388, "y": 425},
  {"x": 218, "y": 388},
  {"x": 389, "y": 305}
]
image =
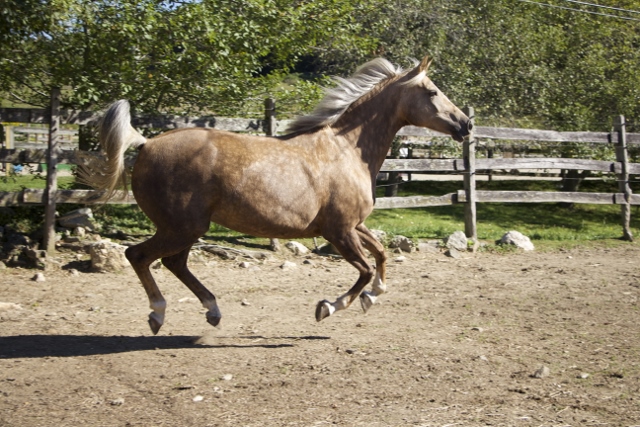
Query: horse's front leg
[
  {"x": 350, "y": 247},
  {"x": 367, "y": 299}
]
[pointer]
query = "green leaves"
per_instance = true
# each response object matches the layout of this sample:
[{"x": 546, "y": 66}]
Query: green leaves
[{"x": 517, "y": 63}]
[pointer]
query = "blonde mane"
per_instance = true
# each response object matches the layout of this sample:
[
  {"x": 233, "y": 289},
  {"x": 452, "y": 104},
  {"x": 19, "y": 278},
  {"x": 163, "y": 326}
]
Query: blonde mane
[{"x": 347, "y": 91}]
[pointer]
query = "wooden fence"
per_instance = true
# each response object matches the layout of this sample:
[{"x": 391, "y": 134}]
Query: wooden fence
[{"x": 467, "y": 166}]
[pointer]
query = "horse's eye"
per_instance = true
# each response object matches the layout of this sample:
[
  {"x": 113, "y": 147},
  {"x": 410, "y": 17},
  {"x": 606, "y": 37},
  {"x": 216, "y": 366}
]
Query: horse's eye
[{"x": 431, "y": 93}]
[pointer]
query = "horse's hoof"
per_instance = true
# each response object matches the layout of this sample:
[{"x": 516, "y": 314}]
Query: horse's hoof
[
  {"x": 324, "y": 309},
  {"x": 213, "y": 320},
  {"x": 366, "y": 301},
  {"x": 154, "y": 324}
]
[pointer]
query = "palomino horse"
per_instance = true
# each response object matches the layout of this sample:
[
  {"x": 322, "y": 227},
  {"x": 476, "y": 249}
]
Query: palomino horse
[{"x": 318, "y": 180}]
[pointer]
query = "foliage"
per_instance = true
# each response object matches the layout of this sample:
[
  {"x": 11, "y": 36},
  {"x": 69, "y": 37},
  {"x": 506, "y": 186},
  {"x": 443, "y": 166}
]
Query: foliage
[{"x": 209, "y": 55}]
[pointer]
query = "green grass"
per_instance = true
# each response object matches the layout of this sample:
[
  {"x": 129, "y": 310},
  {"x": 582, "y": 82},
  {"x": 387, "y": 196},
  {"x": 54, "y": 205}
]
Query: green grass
[{"x": 548, "y": 223}]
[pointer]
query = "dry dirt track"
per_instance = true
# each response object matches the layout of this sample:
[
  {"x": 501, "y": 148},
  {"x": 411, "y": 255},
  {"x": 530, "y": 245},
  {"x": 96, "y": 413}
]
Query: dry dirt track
[{"x": 454, "y": 343}]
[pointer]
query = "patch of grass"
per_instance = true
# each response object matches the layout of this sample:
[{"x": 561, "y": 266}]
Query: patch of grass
[{"x": 20, "y": 182}]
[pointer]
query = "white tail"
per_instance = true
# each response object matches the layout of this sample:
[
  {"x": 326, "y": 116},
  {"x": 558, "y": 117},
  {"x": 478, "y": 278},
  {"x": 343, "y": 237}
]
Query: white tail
[{"x": 116, "y": 136}]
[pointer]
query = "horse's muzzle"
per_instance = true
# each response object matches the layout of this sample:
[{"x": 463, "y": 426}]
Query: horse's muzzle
[{"x": 463, "y": 132}]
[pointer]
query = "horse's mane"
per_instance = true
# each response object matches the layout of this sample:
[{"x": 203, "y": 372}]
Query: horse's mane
[{"x": 347, "y": 91}]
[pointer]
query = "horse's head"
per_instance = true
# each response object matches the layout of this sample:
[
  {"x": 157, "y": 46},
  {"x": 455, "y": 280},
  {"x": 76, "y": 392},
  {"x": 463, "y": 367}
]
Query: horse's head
[{"x": 424, "y": 105}]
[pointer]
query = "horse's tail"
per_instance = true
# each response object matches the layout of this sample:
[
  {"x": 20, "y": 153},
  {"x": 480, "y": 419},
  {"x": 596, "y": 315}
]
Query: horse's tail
[{"x": 116, "y": 135}]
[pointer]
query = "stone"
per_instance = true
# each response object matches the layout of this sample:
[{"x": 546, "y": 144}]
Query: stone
[
  {"x": 39, "y": 277},
  {"x": 245, "y": 264},
  {"x": 405, "y": 244},
  {"x": 8, "y": 306},
  {"x": 542, "y": 372},
  {"x": 297, "y": 248},
  {"x": 453, "y": 253},
  {"x": 117, "y": 402},
  {"x": 80, "y": 232},
  {"x": 226, "y": 377},
  {"x": 288, "y": 265},
  {"x": 458, "y": 241},
  {"x": 82, "y": 217},
  {"x": 380, "y": 235},
  {"x": 107, "y": 257},
  {"x": 431, "y": 246},
  {"x": 517, "y": 239}
]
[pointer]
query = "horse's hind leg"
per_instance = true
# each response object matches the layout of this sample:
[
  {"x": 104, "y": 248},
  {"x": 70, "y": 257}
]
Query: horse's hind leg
[
  {"x": 177, "y": 264},
  {"x": 164, "y": 244},
  {"x": 367, "y": 299},
  {"x": 350, "y": 246},
  {"x": 140, "y": 257}
]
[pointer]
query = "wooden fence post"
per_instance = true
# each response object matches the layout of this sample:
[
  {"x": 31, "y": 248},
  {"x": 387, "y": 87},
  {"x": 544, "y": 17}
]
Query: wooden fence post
[
  {"x": 270, "y": 117},
  {"x": 49, "y": 240},
  {"x": 9, "y": 145},
  {"x": 469, "y": 158},
  {"x": 623, "y": 177}
]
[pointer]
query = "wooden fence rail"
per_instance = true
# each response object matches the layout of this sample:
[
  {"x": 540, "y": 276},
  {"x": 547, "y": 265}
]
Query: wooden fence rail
[{"x": 467, "y": 166}]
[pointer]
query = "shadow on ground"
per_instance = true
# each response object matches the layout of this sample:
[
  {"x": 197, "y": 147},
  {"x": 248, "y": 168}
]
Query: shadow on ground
[{"x": 35, "y": 346}]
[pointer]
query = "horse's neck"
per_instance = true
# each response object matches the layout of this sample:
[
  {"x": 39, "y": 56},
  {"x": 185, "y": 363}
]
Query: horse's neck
[{"x": 370, "y": 127}]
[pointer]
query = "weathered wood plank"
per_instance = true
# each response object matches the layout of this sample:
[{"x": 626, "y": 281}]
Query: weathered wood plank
[
  {"x": 36, "y": 196},
  {"x": 541, "y": 135},
  {"x": 547, "y": 197},
  {"x": 415, "y": 201},
  {"x": 418, "y": 165},
  {"x": 8, "y": 198},
  {"x": 546, "y": 163}
]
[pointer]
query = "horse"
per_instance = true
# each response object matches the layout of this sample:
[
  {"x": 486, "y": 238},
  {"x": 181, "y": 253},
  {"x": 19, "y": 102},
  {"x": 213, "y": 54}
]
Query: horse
[{"x": 316, "y": 180}]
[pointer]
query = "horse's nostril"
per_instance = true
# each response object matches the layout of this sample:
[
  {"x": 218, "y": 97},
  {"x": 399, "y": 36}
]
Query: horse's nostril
[{"x": 470, "y": 126}]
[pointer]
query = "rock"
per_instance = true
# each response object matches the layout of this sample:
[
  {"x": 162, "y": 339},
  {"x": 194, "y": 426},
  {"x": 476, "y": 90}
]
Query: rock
[
  {"x": 583, "y": 376},
  {"x": 9, "y": 306},
  {"x": 431, "y": 246},
  {"x": 117, "y": 402},
  {"x": 73, "y": 272},
  {"x": 107, "y": 257},
  {"x": 82, "y": 217},
  {"x": 380, "y": 235},
  {"x": 35, "y": 258},
  {"x": 543, "y": 372},
  {"x": 458, "y": 241},
  {"x": 198, "y": 398},
  {"x": 405, "y": 244},
  {"x": 297, "y": 248},
  {"x": 400, "y": 259},
  {"x": 328, "y": 248},
  {"x": 517, "y": 239},
  {"x": 453, "y": 253},
  {"x": 39, "y": 277},
  {"x": 80, "y": 232},
  {"x": 226, "y": 377},
  {"x": 288, "y": 265},
  {"x": 245, "y": 303},
  {"x": 245, "y": 264},
  {"x": 3, "y": 266}
]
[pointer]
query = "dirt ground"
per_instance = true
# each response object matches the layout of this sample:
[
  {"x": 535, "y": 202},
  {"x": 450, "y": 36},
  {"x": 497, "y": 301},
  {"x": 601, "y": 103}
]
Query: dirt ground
[{"x": 455, "y": 342}]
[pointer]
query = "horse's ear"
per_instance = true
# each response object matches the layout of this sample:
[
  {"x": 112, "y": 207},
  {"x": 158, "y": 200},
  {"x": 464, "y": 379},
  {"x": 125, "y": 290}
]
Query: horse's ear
[{"x": 424, "y": 64}]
